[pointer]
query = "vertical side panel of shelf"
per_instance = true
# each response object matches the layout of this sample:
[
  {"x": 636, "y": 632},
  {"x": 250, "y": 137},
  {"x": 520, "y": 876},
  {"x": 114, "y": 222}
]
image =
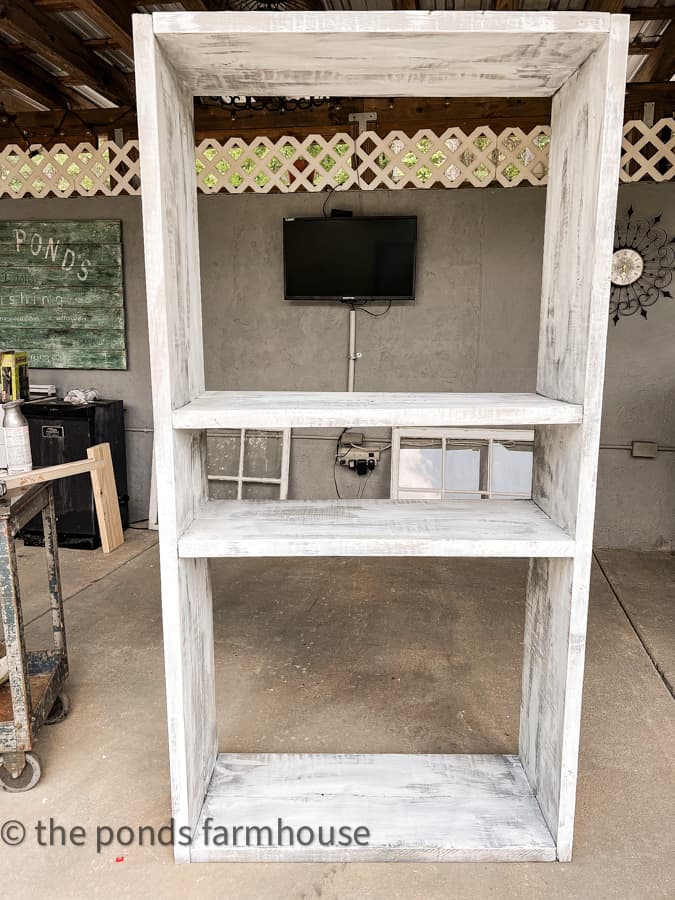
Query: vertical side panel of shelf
[
  {"x": 170, "y": 226},
  {"x": 581, "y": 199}
]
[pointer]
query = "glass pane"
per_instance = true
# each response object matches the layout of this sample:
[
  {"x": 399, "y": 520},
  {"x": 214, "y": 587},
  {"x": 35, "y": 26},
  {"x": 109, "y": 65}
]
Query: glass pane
[
  {"x": 419, "y": 495},
  {"x": 222, "y": 449},
  {"x": 223, "y": 490},
  {"x": 420, "y": 463},
  {"x": 462, "y": 466},
  {"x": 511, "y": 469},
  {"x": 253, "y": 491},
  {"x": 262, "y": 454}
]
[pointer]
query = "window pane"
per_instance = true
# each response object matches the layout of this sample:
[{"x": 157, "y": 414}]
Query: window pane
[
  {"x": 222, "y": 450},
  {"x": 262, "y": 454},
  {"x": 252, "y": 491},
  {"x": 511, "y": 469},
  {"x": 420, "y": 463},
  {"x": 462, "y": 466},
  {"x": 223, "y": 490},
  {"x": 419, "y": 495}
]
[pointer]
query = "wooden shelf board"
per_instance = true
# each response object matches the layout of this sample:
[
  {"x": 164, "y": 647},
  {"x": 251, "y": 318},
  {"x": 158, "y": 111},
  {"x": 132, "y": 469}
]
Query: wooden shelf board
[
  {"x": 415, "y": 807},
  {"x": 454, "y": 54},
  {"x": 310, "y": 409},
  {"x": 264, "y": 528}
]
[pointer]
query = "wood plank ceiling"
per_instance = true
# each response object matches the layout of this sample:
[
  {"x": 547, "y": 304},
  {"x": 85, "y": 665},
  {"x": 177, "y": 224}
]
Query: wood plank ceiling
[{"x": 67, "y": 72}]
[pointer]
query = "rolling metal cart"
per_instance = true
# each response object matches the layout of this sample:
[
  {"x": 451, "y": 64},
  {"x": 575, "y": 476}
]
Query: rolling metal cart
[{"x": 33, "y": 695}]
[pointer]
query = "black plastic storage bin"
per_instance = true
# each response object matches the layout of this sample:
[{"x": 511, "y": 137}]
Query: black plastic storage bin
[{"x": 60, "y": 433}]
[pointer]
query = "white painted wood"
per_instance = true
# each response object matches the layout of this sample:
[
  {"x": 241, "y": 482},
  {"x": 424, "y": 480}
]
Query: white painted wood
[
  {"x": 314, "y": 409},
  {"x": 580, "y": 211},
  {"x": 415, "y": 807},
  {"x": 350, "y": 53},
  {"x": 373, "y": 528},
  {"x": 438, "y": 54},
  {"x": 175, "y": 329}
]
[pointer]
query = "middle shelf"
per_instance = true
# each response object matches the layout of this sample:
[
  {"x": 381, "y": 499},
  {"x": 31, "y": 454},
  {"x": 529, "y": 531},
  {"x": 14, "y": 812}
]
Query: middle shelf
[
  {"x": 315, "y": 409},
  {"x": 262, "y": 528}
]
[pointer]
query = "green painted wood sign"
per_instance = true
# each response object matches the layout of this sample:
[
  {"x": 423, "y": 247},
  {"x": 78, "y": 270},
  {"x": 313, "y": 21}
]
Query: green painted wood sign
[{"x": 62, "y": 293}]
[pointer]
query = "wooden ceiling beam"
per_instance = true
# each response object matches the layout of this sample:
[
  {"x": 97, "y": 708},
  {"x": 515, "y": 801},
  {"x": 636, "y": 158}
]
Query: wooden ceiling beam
[
  {"x": 408, "y": 115},
  {"x": 22, "y": 75},
  {"x": 609, "y": 6},
  {"x": 650, "y": 13},
  {"x": 659, "y": 65},
  {"x": 53, "y": 40},
  {"x": 644, "y": 46},
  {"x": 506, "y": 5},
  {"x": 113, "y": 17}
]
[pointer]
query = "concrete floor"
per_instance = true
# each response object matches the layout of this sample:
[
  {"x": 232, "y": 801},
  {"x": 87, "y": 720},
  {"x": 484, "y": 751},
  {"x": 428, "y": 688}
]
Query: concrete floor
[{"x": 330, "y": 655}]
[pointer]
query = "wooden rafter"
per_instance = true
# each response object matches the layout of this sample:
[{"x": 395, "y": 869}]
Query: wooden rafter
[
  {"x": 406, "y": 115},
  {"x": 19, "y": 74},
  {"x": 53, "y": 40},
  {"x": 113, "y": 17},
  {"x": 660, "y": 65},
  {"x": 643, "y": 46},
  {"x": 650, "y": 13},
  {"x": 506, "y": 4},
  {"x": 608, "y": 6}
]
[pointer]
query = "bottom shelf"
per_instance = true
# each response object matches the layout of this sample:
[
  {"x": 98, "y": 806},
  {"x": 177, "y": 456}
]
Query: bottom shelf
[
  {"x": 47, "y": 670},
  {"x": 414, "y": 807}
]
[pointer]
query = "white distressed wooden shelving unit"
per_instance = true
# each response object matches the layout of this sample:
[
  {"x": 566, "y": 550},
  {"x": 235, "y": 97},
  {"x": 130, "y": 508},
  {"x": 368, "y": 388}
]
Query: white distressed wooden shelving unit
[{"x": 416, "y": 807}]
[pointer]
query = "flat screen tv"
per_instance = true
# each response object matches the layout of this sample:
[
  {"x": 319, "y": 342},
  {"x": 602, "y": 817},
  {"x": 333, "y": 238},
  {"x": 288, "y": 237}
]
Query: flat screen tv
[{"x": 350, "y": 259}]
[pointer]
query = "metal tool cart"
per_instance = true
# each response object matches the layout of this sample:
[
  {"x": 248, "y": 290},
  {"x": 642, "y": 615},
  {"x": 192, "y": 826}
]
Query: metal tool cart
[{"x": 33, "y": 694}]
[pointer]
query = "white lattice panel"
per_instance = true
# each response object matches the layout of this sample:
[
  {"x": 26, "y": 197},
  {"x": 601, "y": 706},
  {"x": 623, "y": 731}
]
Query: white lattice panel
[
  {"x": 370, "y": 162},
  {"x": 648, "y": 152},
  {"x": 64, "y": 171}
]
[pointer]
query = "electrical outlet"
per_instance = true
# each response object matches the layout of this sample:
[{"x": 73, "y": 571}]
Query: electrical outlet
[
  {"x": 644, "y": 449},
  {"x": 353, "y": 455}
]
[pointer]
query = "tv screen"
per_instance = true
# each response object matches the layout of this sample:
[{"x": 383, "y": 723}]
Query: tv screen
[{"x": 346, "y": 258}]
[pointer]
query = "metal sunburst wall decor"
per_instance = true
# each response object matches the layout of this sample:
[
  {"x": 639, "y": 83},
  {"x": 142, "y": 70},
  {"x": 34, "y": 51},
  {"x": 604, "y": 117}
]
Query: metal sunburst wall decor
[{"x": 642, "y": 266}]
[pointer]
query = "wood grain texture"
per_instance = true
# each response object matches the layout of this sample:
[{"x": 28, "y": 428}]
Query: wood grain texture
[
  {"x": 104, "y": 491},
  {"x": 580, "y": 211},
  {"x": 415, "y": 807},
  {"x": 437, "y": 54},
  {"x": 313, "y": 409},
  {"x": 61, "y": 292},
  {"x": 171, "y": 245},
  {"x": 373, "y": 528}
]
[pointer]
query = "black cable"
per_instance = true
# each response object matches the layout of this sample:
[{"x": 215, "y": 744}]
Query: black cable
[
  {"x": 361, "y": 308},
  {"x": 328, "y": 194},
  {"x": 335, "y": 464}
]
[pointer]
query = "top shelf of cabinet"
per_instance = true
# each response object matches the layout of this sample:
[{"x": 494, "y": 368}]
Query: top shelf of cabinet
[{"x": 313, "y": 409}]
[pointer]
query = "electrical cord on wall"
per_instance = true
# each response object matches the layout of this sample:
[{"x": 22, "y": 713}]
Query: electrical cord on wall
[
  {"x": 329, "y": 194},
  {"x": 361, "y": 307}
]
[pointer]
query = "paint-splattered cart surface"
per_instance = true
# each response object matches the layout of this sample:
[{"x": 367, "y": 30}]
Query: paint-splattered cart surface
[{"x": 32, "y": 695}]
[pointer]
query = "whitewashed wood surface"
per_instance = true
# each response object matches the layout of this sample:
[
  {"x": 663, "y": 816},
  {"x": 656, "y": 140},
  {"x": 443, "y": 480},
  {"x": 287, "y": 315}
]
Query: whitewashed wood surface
[
  {"x": 580, "y": 211},
  {"x": 171, "y": 245},
  {"x": 416, "y": 807},
  {"x": 373, "y": 528},
  {"x": 350, "y": 53},
  {"x": 311, "y": 409}
]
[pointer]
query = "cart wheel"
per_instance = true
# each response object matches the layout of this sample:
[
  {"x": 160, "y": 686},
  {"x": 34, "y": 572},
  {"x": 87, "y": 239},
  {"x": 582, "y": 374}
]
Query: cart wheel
[
  {"x": 26, "y": 780},
  {"x": 59, "y": 710}
]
